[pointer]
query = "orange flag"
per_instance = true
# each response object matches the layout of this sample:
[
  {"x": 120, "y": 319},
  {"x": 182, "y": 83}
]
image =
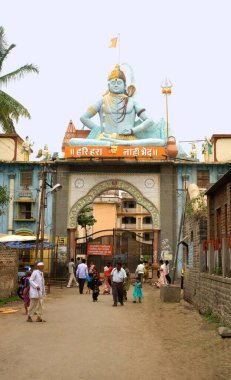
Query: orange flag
[{"x": 113, "y": 42}]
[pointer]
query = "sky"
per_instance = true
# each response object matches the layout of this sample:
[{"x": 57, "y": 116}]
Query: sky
[{"x": 187, "y": 41}]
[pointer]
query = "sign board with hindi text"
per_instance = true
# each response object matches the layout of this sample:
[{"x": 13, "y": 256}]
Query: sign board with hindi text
[
  {"x": 99, "y": 249},
  {"x": 141, "y": 152}
]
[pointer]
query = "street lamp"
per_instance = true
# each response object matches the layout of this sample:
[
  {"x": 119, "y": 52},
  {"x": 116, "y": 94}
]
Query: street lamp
[{"x": 42, "y": 206}]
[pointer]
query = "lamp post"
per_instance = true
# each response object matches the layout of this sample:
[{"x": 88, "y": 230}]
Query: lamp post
[
  {"x": 41, "y": 220},
  {"x": 167, "y": 90},
  {"x": 42, "y": 206}
]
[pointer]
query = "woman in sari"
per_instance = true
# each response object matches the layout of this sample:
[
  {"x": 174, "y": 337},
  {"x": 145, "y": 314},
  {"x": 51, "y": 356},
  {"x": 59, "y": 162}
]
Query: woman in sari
[{"x": 162, "y": 279}]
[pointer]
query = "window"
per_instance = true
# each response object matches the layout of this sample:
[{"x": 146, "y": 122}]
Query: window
[
  {"x": 128, "y": 220},
  {"x": 147, "y": 220},
  {"x": 129, "y": 204},
  {"x": 148, "y": 236},
  {"x": 24, "y": 210},
  {"x": 203, "y": 179},
  {"x": 26, "y": 178}
]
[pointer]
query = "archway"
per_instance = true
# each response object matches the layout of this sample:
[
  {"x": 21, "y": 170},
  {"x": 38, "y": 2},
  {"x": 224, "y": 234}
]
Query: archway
[
  {"x": 109, "y": 185},
  {"x": 115, "y": 184}
]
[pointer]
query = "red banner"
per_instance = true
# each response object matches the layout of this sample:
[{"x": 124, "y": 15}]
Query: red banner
[{"x": 99, "y": 249}]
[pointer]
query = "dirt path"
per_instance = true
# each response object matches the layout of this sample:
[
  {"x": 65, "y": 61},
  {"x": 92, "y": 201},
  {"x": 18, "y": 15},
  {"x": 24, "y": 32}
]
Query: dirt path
[{"x": 86, "y": 340}]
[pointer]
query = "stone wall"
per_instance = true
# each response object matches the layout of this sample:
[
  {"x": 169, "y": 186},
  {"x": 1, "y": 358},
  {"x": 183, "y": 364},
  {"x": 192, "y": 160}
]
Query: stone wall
[
  {"x": 205, "y": 289},
  {"x": 8, "y": 272}
]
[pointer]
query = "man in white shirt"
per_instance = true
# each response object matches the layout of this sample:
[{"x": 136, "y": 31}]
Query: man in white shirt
[
  {"x": 71, "y": 271},
  {"x": 140, "y": 271},
  {"x": 37, "y": 292},
  {"x": 118, "y": 276},
  {"x": 81, "y": 274}
]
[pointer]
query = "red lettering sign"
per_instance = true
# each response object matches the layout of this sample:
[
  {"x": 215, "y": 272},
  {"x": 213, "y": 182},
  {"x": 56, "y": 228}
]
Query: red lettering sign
[
  {"x": 127, "y": 152},
  {"x": 99, "y": 249}
]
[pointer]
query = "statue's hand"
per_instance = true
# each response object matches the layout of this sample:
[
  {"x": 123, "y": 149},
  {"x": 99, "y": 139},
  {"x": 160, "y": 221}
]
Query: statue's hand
[{"x": 127, "y": 132}]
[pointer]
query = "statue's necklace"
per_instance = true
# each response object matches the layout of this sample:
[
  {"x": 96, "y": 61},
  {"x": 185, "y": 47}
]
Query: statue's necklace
[{"x": 114, "y": 108}]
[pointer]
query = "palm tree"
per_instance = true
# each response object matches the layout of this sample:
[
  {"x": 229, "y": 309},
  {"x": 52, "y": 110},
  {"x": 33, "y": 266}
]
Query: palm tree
[{"x": 10, "y": 108}]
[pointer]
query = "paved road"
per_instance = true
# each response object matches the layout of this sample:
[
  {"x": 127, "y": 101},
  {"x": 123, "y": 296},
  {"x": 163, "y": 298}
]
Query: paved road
[{"x": 86, "y": 340}]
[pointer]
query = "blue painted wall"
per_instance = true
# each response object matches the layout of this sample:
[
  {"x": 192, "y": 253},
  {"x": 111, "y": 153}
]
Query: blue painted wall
[{"x": 16, "y": 168}]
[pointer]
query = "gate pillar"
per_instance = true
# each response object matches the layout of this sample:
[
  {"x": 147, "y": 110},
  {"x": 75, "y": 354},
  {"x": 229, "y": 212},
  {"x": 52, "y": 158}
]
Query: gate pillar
[
  {"x": 72, "y": 242},
  {"x": 155, "y": 247}
]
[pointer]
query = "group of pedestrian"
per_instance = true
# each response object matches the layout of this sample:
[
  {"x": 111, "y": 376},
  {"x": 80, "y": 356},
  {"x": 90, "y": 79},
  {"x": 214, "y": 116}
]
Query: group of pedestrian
[
  {"x": 117, "y": 278},
  {"x": 84, "y": 274}
]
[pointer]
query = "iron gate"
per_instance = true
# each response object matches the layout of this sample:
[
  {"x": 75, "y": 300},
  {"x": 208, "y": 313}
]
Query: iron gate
[{"x": 128, "y": 246}]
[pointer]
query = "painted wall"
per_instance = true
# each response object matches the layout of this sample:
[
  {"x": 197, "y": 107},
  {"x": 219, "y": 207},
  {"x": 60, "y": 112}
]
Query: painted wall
[
  {"x": 7, "y": 147},
  {"x": 13, "y": 170},
  {"x": 223, "y": 151}
]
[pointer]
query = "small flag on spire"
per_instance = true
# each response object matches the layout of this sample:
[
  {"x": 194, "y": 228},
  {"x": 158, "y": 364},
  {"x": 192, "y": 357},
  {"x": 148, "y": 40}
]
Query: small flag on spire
[{"x": 113, "y": 42}]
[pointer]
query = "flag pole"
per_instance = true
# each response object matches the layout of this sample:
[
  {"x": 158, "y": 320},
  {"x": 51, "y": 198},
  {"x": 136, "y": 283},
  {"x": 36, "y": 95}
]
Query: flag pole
[{"x": 118, "y": 48}]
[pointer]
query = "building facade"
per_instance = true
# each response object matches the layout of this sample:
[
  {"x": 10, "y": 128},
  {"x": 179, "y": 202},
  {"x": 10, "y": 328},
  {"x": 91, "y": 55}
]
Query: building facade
[
  {"x": 207, "y": 259},
  {"x": 20, "y": 217}
]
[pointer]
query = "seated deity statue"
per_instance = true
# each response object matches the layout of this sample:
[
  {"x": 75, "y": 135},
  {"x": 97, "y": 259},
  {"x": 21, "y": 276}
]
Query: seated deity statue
[{"x": 118, "y": 110}]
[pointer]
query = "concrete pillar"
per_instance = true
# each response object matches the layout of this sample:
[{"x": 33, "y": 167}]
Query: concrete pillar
[
  {"x": 72, "y": 242},
  {"x": 11, "y": 203}
]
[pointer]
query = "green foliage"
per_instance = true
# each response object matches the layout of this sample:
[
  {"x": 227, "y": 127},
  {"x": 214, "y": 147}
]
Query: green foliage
[
  {"x": 4, "y": 301},
  {"x": 197, "y": 207},
  {"x": 218, "y": 270},
  {"x": 4, "y": 198},
  {"x": 211, "y": 317},
  {"x": 86, "y": 218},
  {"x": 10, "y": 109}
]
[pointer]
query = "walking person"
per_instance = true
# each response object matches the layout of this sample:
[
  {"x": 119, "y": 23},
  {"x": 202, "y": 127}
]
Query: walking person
[
  {"x": 71, "y": 271},
  {"x": 127, "y": 282},
  {"x": 118, "y": 276},
  {"x": 95, "y": 284},
  {"x": 137, "y": 293},
  {"x": 140, "y": 271},
  {"x": 37, "y": 292},
  {"x": 182, "y": 278},
  {"x": 146, "y": 271},
  {"x": 26, "y": 292},
  {"x": 81, "y": 274},
  {"x": 162, "y": 271},
  {"x": 78, "y": 261},
  {"x": 168, "y": 278}
]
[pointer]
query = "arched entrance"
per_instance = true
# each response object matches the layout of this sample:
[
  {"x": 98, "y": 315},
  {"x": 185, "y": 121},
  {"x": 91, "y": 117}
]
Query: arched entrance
[{"x": 109, "y": 185}]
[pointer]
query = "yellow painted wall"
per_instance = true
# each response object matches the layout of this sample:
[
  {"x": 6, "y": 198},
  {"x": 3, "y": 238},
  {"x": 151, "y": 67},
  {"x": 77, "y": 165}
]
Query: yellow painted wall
[
  {"x": 7, "y": 149},
  {"x": 7, "y": 146},
  {"x": 106, "y": 216},
  {"x": 223, "y": 151}
]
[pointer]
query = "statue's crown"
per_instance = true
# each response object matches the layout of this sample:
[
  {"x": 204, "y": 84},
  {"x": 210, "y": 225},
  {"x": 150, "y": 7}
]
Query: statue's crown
[{"x": 117, "y": 73}]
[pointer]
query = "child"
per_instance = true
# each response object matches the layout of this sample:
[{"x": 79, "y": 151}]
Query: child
[
  {"x": 88, "y": 279},
  {"x": 26, "y": 291},
  {"x": 95, "y": 284},
  {"x": 137, "y": 293}
]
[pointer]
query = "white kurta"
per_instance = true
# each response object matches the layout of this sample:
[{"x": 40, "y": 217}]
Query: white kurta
[{"x": 37, "y": 280}]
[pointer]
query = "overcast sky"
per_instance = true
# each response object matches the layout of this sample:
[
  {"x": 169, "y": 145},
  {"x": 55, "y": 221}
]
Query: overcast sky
[{"x": 187, "y": 41}]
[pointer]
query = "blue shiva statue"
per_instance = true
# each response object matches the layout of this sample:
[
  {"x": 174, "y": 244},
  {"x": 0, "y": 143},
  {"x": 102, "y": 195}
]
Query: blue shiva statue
[{"x": 118, "y": 125}]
